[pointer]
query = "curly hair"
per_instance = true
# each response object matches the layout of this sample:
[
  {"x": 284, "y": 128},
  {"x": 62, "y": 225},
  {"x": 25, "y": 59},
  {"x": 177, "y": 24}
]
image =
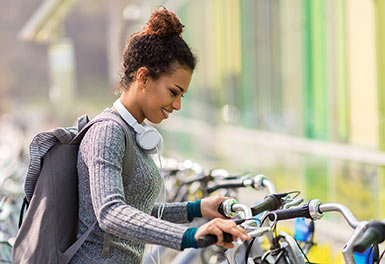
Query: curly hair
[{"x": 158, "y": 48}]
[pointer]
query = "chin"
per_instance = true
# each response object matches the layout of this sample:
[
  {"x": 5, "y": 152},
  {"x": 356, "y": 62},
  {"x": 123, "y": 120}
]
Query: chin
[{"x": 155, "y": 120}]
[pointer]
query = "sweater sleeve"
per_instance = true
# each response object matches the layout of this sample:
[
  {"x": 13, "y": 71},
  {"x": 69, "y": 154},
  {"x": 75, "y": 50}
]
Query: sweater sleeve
[
  {"x": 173, "y": 212},
  {"x": 179, "y": 212},
  {"x": 103, "y": 150}
]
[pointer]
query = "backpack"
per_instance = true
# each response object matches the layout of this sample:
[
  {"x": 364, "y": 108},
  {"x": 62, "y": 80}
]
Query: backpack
[{"x": 48, "y": 233}]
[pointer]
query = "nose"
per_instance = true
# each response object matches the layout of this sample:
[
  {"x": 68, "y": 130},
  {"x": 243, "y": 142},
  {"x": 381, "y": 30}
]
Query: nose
[{"x": 177, "y": 103}]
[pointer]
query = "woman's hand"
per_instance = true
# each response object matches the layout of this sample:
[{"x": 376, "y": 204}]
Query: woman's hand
[
  {"x": 217, "y": 226},
  {"x": 209, "y": 206}
]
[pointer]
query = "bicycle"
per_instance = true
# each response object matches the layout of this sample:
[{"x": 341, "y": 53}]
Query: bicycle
[
  {"x": 315, "y": 210},
  {"x": 272, "y": 201},
  {"x": 255, "y": 229},
  {"x": 373, "y": 233}
]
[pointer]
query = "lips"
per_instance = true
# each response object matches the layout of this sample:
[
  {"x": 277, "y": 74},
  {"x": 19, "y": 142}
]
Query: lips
[{"x": 165, "y": 113}]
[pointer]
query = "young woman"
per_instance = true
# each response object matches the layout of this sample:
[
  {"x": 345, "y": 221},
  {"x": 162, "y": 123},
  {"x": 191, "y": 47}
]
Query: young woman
[{"x": 157, "y": 69}]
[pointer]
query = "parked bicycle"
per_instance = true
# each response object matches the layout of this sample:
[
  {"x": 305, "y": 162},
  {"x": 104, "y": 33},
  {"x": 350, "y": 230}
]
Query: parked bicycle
[
  {"x": 315, "y": 210},
  {"x": 233, "y": 209},
  {"x": 255, "y": 228},
  {"x": 284, "y": 249}
]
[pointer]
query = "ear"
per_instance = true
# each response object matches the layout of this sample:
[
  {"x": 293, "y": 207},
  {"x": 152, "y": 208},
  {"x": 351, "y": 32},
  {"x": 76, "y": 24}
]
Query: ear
[{"x": 142, "y": 75}]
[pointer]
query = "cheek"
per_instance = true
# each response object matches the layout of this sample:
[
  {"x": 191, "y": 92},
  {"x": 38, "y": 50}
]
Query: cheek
[
  {"x": 161, "y": 98},
  {"x": 158, "y": 97},
  {"x": 153, "y": 105}
]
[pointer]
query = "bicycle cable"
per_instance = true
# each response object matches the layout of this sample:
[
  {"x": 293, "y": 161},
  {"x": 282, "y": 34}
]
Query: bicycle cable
[
  {"x": 240, "y": 221},
  {"x": 274, "y": 228},
  {"x": 379, "y": 259},
  {"x": 264, "y": 218},
  {"x": 249, "y": 249},
  {"x": 252, "y": 241},
  {"x": 303, "y": 253}
]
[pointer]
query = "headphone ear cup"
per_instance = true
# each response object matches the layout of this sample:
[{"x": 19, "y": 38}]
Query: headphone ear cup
[
  {"x": 149, "y": 139},
  {"x": 160, "y": 145}
]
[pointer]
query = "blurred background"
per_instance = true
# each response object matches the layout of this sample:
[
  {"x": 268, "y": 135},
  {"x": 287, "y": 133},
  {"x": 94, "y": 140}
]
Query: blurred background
[{"x": 293, "y": 89}]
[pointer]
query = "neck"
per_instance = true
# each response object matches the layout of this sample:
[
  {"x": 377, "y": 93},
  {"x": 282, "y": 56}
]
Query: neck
[{"x": 131, "y": 105}]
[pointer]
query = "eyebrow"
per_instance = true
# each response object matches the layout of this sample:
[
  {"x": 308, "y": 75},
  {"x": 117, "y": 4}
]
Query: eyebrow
[{"x": 180, "y": 88}]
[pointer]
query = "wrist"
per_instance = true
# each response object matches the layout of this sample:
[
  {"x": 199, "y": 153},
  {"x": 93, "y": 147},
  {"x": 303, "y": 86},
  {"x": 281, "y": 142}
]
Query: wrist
[
  {"x": 194, "y": 210},
  {"x": 188, "y": 240}
]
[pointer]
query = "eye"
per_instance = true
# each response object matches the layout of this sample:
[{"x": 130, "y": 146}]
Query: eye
[{"x": 173, "y": 93}]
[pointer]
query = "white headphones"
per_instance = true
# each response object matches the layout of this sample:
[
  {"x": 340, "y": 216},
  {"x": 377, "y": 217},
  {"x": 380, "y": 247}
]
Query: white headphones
[{"x": 148, "y": 138}]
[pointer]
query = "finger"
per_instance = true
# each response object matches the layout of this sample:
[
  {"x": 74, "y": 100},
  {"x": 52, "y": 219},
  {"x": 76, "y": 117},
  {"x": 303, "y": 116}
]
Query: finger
[
  {"x": 244, "y": 235},
  {"x": 228, "y": 245},
  {"x": 223, "y": 198},
  {"x": 219, "y": 215},
  {"x": 218, "y": 233},
  {"x": 233, "y": 229},
  {"x": 229, "y": 227}
]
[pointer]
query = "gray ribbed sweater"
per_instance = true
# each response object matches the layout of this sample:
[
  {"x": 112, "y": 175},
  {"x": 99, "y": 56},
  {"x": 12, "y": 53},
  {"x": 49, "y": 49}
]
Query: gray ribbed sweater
[{"x": 122, "y": 207}]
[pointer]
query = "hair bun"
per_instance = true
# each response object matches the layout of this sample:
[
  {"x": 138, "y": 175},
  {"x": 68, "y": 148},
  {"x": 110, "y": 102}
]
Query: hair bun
[{"x": 163, "y": 23}]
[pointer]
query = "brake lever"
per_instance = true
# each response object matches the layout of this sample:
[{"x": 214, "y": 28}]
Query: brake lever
[{"x": 294, "y": 202}]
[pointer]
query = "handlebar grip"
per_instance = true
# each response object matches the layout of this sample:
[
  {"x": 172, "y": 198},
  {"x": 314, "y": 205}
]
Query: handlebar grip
[
  {"x": 220, "y": 209},
  {"x": 290, "y": 213},
  {"x": 270, "y": 202},
  {"x": 374, "y": 234},
  {"x": 208, "y": 240}
]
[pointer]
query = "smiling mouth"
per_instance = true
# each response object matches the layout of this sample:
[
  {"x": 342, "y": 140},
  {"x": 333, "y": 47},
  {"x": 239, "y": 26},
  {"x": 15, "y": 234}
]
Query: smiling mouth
[{"x": 165, "y": 113}]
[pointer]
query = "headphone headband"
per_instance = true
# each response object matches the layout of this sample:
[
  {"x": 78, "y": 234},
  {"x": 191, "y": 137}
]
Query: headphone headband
[
  {"x": 147, "y": 137},
  {"x": 127, "y": 116}
]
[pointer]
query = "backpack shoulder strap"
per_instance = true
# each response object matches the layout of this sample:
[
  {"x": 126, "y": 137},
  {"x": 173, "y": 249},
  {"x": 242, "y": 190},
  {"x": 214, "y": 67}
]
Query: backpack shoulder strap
[
  {"x": 71, "y": 251},
  {"x": 129, "y": 160},
  {"x": 82, "y": 121}
]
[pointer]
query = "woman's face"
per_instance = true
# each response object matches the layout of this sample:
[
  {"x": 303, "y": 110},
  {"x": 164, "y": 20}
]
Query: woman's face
[{"x": 164, "y": 95}]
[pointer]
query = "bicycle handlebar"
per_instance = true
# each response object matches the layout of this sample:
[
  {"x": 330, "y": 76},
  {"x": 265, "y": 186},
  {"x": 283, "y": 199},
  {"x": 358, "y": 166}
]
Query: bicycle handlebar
[
  {"x": 257, "y": 182},
  {"x": 315, "y": 210},
  {"x": 343, "y": 210},
  {"x": 225, "y": 185},
  {"x": 375, "y": 233},
  {"x": 208, "y": 240},
  {"x": 271, "y": 202},
  {"x": 302, "y": 211},
  {"x": 228, "y": 208},
  {"x": 260, "y": 182}
]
